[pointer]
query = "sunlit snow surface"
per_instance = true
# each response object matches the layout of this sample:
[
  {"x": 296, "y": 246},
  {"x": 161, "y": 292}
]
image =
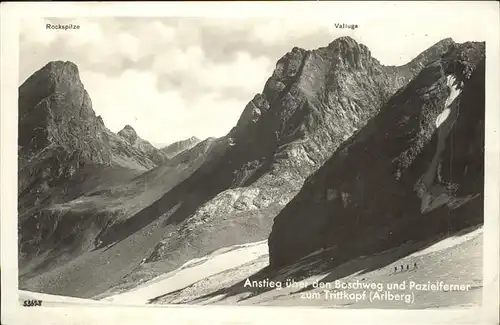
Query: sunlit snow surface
[
  {"x": 454, "y": 92},
  {"x": 453, "y": 260}
]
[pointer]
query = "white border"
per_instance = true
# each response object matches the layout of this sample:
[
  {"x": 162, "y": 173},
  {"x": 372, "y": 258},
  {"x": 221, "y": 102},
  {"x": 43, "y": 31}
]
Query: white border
[{"x": 12, "y": 313}]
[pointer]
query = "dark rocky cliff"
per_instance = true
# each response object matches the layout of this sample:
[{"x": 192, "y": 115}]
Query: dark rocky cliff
[
  {"x": 55, "y": 111},
  {"x": 60, "y": 135},
  {"x": 415, "y": 170},
  {"x": 64, "y": 151},
  {"x": 61, "y": 141}
]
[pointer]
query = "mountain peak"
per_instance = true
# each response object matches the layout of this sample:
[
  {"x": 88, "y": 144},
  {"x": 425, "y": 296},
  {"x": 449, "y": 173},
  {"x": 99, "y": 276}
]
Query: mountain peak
[
  {"x": 434, "y": 52},
  {"x": 100, "y": 120},
  {"x": 447, "y": 40},
  {"x": 128, "y": 127},
  {"x": 58, "y": 72},
  {"x": 347, "y": 43},
  {"x": 407, "y": 149},
  {"x": 52, "y": 74},
  {"x": 68, "y": 66},
  {"x": 69, "y": 104},
  {"x": 344, "y": 40},
  {"x": 128, "y": 133}
]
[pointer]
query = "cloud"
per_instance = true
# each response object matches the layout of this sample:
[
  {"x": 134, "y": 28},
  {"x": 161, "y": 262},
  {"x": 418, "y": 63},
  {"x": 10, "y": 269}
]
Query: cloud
[
  {"x": 161, "y": 117},
  {"x": 279, "y": 31},
  {"x": 172, "y": 78},
  {"x": 177, "y": 60},
  {"x": 34, "y": 33},
  {"x": 168, "y": 78}
]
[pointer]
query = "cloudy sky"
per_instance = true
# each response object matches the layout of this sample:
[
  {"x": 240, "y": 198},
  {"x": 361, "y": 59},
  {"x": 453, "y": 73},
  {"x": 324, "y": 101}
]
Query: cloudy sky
[{"x": 173, "y": 78}]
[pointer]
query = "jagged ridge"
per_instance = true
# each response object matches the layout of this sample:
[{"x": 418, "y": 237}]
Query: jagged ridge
[{"x": 367, "y": 197}]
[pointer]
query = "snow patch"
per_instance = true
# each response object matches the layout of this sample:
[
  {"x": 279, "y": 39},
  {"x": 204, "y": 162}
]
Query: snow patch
[
  {"x": 448, "y": 243},
  {"x": 353, "y": 270},
  {"x": 429, "y": 189},
  {"x": 185, "y": 276},
  {"x": 442, "y": 117},
  {"x": 454, "y": 92}
]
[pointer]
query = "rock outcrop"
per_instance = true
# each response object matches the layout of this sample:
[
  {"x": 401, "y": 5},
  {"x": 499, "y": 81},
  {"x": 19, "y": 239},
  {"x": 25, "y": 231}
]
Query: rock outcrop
[
  {"x": 155, "y": 155},
  {"x": 414, "y": 171},
  {"x": 177, "y": 147}
]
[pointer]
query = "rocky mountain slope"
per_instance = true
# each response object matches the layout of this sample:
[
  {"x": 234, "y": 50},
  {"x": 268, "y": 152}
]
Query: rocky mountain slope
[
  {"x": 156, "y": 155},
  {"x": 312, "y": 103},
  {"x": 66, "y": 152},
  {"x": 230, "y": 193},
  {"x": 221, "y": 278},
  {"x": 414, "y": 171},
  {"x": 55, "y": 111},
  {"x": 177, "y": 147},
  {"x": 60, "y": 138}
]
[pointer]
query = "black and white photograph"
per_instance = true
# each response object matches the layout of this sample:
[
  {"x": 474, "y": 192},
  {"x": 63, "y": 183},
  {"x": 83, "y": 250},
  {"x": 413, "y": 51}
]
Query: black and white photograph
[{"x": 252, "y": 161}]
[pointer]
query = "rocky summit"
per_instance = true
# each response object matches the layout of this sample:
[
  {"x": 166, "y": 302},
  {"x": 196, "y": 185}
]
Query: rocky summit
[
  {"x": 65, "y": 151},
  {"x": 157, "y": 156},
  {"x": 61, "y": 141},
  {"x": 60, "y": 137},
  {"x": 55, "y": 112},
  {"x": 414, "y": 171},
  {"x": 338, "y": 147}
]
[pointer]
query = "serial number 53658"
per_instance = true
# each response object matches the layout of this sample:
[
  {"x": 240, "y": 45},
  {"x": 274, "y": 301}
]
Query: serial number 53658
[{"x": 32, "y": 303}]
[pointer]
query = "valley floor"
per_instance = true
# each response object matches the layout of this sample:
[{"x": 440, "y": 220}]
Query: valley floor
[
  {"x": 220, "y": 277},
  {"x": 454, "y": 261}
]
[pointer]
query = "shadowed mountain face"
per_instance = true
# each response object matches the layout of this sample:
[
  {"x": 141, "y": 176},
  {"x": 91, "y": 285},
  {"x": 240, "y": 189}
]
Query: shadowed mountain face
[
  {"x": 414, "y": 171},
  {"x": 227, "y": 191},
  {"x": 65, "y": 151},
  {"x": 61, "y": 139},
  {"x": 55, "y": 112}
]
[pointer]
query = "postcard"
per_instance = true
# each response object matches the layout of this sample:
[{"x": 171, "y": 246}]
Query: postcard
[{"x": 250, "y": 162}]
